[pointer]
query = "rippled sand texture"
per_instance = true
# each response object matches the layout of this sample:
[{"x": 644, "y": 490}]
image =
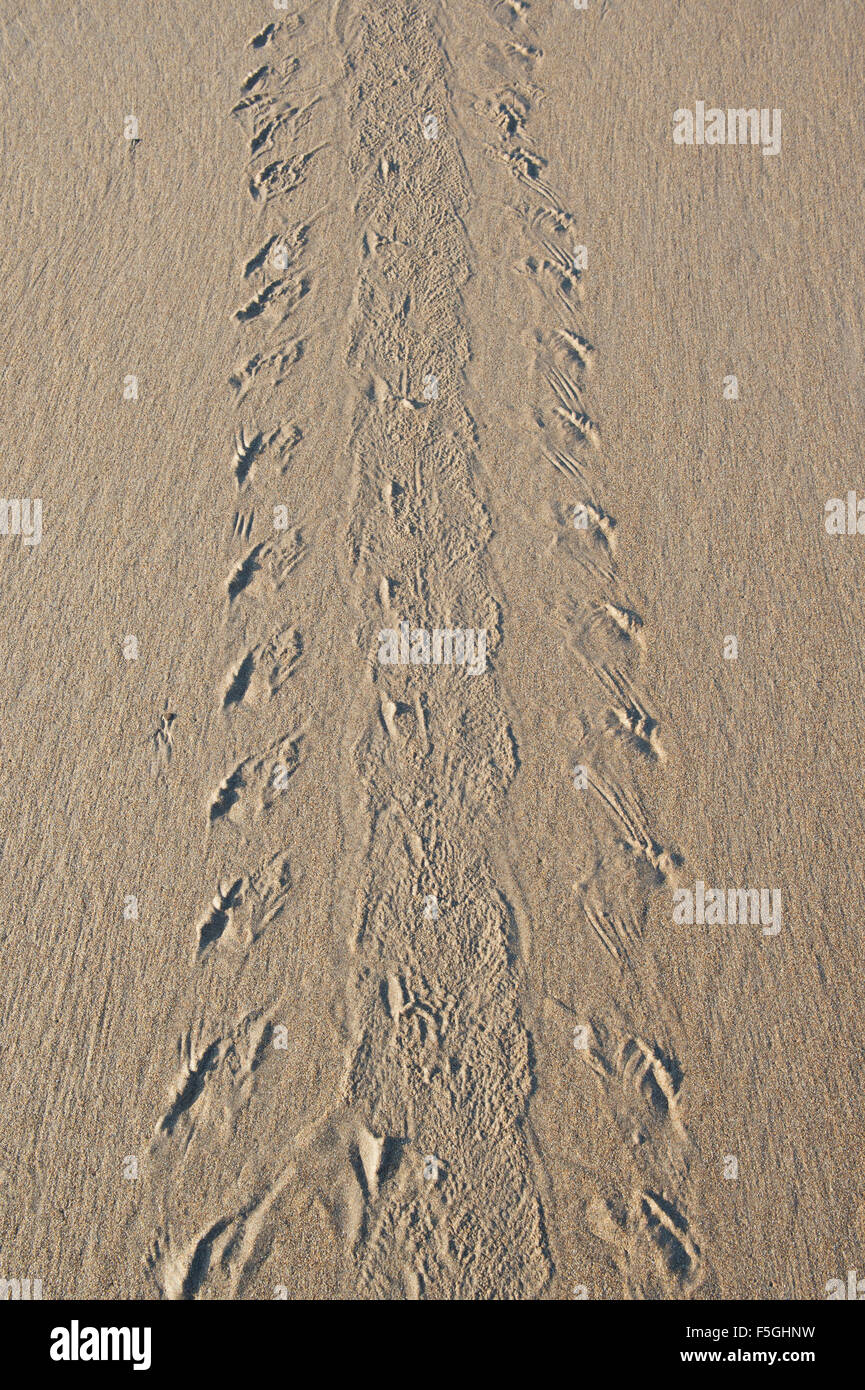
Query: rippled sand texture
[{"x": 327, "y": 976}]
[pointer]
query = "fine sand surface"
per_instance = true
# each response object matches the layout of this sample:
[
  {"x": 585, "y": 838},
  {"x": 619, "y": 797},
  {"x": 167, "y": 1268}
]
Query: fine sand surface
[{"x": 329, "y": 977}]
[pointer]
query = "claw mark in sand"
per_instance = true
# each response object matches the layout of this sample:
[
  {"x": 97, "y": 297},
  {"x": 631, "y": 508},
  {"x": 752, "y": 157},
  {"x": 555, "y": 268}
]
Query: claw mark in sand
[
  {"x": 254, "y": 785},
  {"x": 242, "y": 909},
  {"x": 268, "y": 564},
  {"x": 261, "y": 673}
]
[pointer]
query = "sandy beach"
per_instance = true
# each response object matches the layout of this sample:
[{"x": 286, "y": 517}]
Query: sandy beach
[{"x": 430, "y": 675}]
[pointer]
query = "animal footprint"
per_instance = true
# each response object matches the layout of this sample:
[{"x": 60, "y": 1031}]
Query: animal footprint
[
  {"x": 264, "y": 670},
  {"x": 163, "y": 744},
  {"x": 242, "y": 909},
  {"x": 267, "y": 565},
  {"x": 254, "y": 785}
]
